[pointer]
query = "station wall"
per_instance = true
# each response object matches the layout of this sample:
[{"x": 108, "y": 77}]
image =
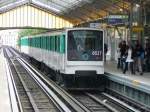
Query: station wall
[{"x": 29, "y": 16}]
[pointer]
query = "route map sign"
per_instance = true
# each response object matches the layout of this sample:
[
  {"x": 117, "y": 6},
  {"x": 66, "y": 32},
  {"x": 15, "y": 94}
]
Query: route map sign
[{"x": 117, "y": 19}]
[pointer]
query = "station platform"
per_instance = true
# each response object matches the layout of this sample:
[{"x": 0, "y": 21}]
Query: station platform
[
  {"x": 135, "y": 87},
  {"x": 142, "y": 81},
  {"x": 5, "y": 105}
]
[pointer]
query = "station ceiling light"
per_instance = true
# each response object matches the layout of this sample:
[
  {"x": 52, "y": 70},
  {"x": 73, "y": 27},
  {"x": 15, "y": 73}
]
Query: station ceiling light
[
  {"x": 137, "y": 5},
  {"x": 48, "y": 6},
  {"x": 120, "y": 9}
]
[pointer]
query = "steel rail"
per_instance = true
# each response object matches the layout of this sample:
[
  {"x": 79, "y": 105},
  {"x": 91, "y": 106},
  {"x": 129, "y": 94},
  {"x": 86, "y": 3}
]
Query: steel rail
[
  {"x": 27, "y": 91},
  {"x": 10, "y": 65},
  {"x": 67, "y": 99},
  {"x": 121, "y": 103},
  {"x": 14, "y": 97},
  {"x": 43, "y": 82},
  {"x": 101, "y": 102}
]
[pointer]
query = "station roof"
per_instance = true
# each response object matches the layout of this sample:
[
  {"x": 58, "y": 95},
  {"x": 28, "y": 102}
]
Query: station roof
[{"x": 76, "y": 11}]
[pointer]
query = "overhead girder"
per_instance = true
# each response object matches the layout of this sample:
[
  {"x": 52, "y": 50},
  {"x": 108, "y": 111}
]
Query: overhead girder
[
  {"x": 92, "y": 9},
  {"x": 97, "y": 9},
  {"x": 84, "y": 10},
  {"x": 75, "y": 15},
  {"x": 87, "y": 12}
]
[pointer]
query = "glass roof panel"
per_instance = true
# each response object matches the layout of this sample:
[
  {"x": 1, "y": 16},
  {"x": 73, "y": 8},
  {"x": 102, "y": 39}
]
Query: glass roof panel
[
  {"x": 60, "y": 5},
  {"x": 74, "y": 10},
  {"x": 8, "y": 4}
]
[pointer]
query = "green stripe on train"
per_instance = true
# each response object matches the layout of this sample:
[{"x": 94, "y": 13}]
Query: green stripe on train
[{"x": 52, "y": 43}]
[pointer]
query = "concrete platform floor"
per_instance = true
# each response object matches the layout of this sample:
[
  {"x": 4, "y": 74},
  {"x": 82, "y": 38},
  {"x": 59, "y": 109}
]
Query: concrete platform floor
[
  {"x": 111, "y": 67},
  {"x": 4, "y": 91}
]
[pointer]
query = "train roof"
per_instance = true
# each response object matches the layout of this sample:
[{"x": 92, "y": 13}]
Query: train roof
[{"x": 61, "y": 31}]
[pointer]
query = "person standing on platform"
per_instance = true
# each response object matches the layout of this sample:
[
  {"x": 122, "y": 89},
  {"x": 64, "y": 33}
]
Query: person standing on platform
[
  {"x": 129, "y": 59},
  {"x": 139, "y": 58},
  {"x": 122, "y": 51},
  {"x": 119, "y": 56},
  {"x": 147, "y": 56}
]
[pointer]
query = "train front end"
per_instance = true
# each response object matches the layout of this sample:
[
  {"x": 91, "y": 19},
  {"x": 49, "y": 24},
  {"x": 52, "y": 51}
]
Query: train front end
[{"x": 84, "y": 58}]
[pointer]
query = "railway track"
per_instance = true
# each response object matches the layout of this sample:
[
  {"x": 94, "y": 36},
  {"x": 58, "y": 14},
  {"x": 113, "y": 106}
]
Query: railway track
[
  {"x": 101, "y": 102},
  {"x": 32, "y": 93},
  {"x": 93, "y": 105},
  {"x": 79, "y": 101},
  {"x": 32, "y": 97}
]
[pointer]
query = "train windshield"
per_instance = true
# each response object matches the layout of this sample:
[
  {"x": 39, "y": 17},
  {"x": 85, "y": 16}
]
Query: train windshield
[{"x": 85, "y": 45}]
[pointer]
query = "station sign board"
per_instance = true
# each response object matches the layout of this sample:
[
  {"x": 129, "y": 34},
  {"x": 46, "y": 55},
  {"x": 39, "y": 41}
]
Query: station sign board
[
  {"x": 95, "y": 25},
  {"x": 117, "y": 19},
  {"x": 137, "y": 28}
]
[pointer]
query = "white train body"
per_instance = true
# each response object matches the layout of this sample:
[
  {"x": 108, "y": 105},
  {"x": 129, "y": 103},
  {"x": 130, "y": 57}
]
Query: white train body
[{"x": 91, "y": 62}]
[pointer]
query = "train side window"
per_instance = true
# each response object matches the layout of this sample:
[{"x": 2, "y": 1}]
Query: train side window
[
  {"x": 35, "y": 41},
  {"x": 26, "y": 42},
  {"x": 41, "y": 42},
  {"x": 38, "y": 42},
  {"x": 59, "y": 43},
  {"x": 44, "y": 42},
  {"x": 62, "y": 43},
  {"x": 53, "y": 43},
  {"x": 30, "y": 42},
  {"x": 47, "y": 40},
  {"x": 49, "y": 43}
]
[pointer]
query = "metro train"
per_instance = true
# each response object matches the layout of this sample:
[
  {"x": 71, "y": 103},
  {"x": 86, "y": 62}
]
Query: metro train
[{"x": 74, "y": 56}]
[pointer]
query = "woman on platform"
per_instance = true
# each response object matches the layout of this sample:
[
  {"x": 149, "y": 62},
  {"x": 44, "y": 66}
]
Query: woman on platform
[{"x": 129, "y": 59}]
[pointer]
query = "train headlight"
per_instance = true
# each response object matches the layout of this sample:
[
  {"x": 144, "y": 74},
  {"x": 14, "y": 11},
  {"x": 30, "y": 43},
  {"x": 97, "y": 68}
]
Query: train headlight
[{"x": 85, "y": 56}]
